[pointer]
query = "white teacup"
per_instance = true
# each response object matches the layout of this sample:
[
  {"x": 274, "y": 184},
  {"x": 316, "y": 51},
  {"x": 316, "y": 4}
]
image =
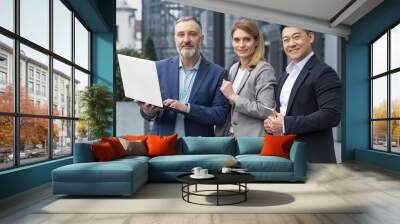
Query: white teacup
[
  {"x": 196, "y": 170},
  {"x": 226, "y": 170},
  {"x": 203, "y": 172}
]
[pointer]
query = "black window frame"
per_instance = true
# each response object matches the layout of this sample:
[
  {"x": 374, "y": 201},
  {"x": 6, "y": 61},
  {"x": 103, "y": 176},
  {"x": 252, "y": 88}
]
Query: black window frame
[{"x": 16, "y": 115}]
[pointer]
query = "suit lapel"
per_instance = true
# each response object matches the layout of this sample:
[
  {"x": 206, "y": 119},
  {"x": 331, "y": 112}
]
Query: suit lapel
[
  {"x": 173, "y": 81},
  {"x": 232, "y": 76},
  {"x": 300, "y": 79},
  {"x": 200, "y": 76}
]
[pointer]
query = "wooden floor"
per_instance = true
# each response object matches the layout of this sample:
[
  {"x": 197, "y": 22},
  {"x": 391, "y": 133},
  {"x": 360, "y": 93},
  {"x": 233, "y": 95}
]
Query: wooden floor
[{"x": 377, "y": 188}]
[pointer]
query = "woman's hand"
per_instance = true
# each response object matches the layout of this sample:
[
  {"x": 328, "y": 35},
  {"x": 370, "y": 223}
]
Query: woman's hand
[{"x": 227, "y": 90}]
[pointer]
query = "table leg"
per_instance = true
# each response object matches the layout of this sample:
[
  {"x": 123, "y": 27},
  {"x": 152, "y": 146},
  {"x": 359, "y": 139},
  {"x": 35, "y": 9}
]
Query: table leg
[
  {"x": 217, "y": 194},
  {"x": 245, "y": 191}
]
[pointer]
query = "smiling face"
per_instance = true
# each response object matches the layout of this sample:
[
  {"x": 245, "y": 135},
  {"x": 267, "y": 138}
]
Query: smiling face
[
  {"x": 188, "y": 38},
  {"x": 244, "y": 44},
  {"x": 297, "y": 43}
]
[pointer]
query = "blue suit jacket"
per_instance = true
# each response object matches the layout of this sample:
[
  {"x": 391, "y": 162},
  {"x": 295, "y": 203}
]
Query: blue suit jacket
[
  {"x": 314, "y": 107},
  {"x": 208, "y": 106}
]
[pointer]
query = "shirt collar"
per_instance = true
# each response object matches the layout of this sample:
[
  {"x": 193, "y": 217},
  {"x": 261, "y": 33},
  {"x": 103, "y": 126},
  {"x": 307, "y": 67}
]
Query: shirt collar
[
  {"x": 299, "y": 65},
  {"x": 195, "y": 67}
]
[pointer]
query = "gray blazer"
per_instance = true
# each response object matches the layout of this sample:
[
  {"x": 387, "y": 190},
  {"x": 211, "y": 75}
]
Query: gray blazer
[{"x": 257, "y": 88}]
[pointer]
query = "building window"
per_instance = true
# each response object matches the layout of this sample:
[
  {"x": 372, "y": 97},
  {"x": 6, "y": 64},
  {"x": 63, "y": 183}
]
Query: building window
[
  {"x": 385, "y": 96},
  {"x": 3, "y": 78},
  {"x": 38, "y": 89},
  {"x": 44, "y": 91},
  {"x": 3, "y": 71},
  {"x": 43, "y": 77},
  {"x": 3, "y": 61},
  {"x": 30, "y": 87},
  {"x": 35, "y": 52},
  {"x": 30, "y": 72}
]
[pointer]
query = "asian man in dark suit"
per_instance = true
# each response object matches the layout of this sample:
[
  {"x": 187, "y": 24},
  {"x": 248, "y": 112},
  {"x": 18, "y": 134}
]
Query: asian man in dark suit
[
  {"x": 190, "y": 85},
  {"x": 308, "y": 98}
]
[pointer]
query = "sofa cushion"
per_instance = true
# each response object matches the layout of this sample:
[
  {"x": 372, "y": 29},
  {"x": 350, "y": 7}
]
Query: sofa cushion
[
  {"x": 249, "y": 145},
  {"x": 112, "y": 171},
  {"x": 257, "y": 163},
  {"x": 207, "y": 145},
  {"x": 185, "y": 163}
]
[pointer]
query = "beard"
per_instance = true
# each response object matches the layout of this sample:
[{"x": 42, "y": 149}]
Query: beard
[{"x": 187, "y": 53}]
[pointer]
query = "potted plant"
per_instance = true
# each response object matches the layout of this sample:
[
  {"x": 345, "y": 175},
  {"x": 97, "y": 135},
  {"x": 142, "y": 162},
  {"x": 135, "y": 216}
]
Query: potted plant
[{"x": 97, "y": 104}]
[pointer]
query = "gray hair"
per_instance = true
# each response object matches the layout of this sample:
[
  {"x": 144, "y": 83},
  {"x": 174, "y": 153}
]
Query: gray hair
[{"x": 189, "y": 18}]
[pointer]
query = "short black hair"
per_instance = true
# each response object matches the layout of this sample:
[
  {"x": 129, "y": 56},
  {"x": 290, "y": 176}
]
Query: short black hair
[{"x": 306, "y": 30}]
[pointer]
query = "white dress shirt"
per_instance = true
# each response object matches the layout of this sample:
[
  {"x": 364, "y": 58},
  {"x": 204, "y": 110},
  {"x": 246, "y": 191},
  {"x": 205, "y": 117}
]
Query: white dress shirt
[
  {"x": 238, "y": 79},
  {"x": 293, "y": 70}
]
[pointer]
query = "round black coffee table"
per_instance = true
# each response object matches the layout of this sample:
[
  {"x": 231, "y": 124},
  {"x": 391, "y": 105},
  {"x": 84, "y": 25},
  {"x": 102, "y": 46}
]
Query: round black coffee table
[{"x": 238, "y": 179}]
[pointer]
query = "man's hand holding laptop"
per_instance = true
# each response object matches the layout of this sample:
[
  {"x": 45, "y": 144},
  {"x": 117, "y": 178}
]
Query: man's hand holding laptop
[
  {"x": 151, "y": 110},
  {"x": 148, "y": 109}
]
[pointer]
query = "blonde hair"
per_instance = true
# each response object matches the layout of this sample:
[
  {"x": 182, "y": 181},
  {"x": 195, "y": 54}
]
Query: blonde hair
[{"x": 251, "y": 28}]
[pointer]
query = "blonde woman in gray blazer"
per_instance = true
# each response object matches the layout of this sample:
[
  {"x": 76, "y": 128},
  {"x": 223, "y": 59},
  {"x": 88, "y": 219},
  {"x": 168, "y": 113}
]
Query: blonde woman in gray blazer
[{"x": 250, "y": 85}]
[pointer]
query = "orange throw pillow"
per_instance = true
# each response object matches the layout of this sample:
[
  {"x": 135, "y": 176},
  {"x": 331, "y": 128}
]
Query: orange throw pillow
[
  {"x": 116, "y": 145},
  {"x": 161, "y": 145},
  {"x": 135, "y": 137},
  {"x": 103, "y": 151},
  {"x": 277, "y": 145}
]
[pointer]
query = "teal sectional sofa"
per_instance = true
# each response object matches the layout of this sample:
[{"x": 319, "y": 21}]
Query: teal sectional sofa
[{"x": 125, "y": 176}]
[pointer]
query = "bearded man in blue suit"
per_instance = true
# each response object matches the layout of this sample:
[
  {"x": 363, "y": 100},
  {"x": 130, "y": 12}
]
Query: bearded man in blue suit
[{"x": 189, "y": 85}]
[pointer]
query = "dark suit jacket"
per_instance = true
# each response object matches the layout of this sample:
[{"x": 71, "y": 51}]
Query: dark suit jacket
[
  {"x": 314, "y": 107},
  {"x": 208, "y": 106}
]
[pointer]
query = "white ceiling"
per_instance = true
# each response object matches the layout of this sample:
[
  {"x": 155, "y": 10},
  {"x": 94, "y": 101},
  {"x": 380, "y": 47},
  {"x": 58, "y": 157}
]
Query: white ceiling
[{"x": 324, "y": 16}]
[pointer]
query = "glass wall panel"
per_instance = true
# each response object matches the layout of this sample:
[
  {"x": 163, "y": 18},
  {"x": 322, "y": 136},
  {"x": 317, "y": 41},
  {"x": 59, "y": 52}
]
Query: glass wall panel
[
  {"x": 395, "y": 95},
  {"x": 81, "y": 45},
  {"x": 62, "y": 89},
  {"x": 34, "y": 73},
  {"x": 35, "y": 21},
  {"x": 62, "y": 29},
  {"x": 395, "y": 47},
  {"x": 7, "y": 14},
  {"x": 379, "y": 56},
  {"x": 81, "y": 82},
  {"x": 6, "y": 142},
  {"x": 33, "y": 140},
  {"x": 379, "y": 135},
  {"x": 379, "y": 98},
  {"x": 6, "y": 74},
  {"x": 395, "y": 136},
  {"x": 62, "y": 138},
  {"x": 81, "y": 131}
]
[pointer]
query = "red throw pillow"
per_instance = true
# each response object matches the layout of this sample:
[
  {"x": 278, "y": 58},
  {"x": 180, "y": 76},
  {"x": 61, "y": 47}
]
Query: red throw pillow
[
  {"x": 116, "y": 145},
  {"x": 161, "y": 145},
  {"x": 277, "y": 145},
  {"x": 103, "y": 151}
]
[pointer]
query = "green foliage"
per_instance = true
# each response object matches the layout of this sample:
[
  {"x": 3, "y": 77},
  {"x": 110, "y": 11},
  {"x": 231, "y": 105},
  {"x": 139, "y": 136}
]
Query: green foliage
[
  {"x": 120, "y": 95},
  {"x": 149, "y": 51},
  {"x": 97, "y": 104}
]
